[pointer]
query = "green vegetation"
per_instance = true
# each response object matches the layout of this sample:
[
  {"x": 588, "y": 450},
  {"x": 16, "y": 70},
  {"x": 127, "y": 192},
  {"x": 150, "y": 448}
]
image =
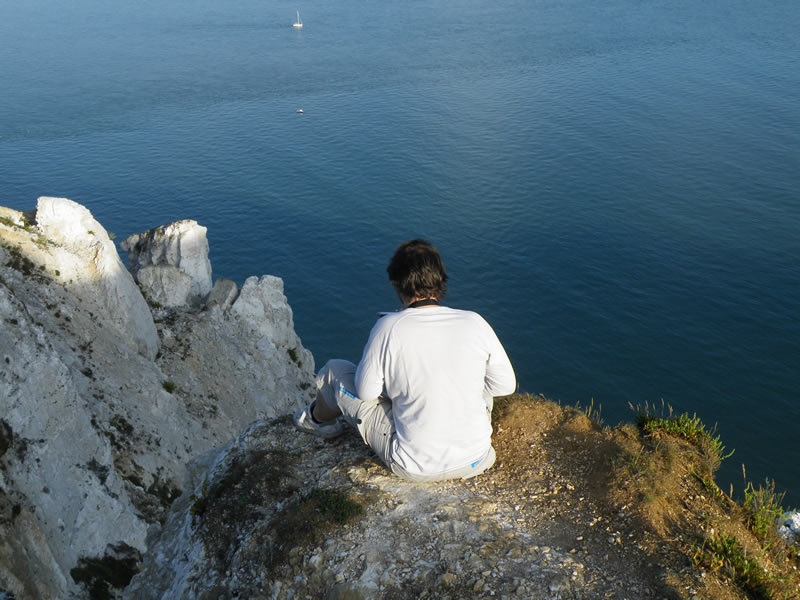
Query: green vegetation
[
  {"x": 709, "y": 485},
  {"x": 244, "y": 486},
  {"x": 25, "y": 226},
  {"x": 307, "y": 521},
  {"x": 19, "y": 262},
  {"x": 688, "y": 428},
  {"x": 236, "y": 501},
  {"x": 39, "y": 239},
  {"x": 99, "y": 574},
  {"x": 723, "y": 554},
  {"x": 168, "y": 385},
  {"x": 293, "y": 356},
  {"x": 764, "y": 508},
  {"x": 737, "y": 542}
]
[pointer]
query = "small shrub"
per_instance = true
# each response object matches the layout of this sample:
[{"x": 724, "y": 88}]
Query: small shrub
[
  {"x": 168, "y": 385},
  {"x": 307, "y": 520},
  {"x": 710, "y": 486},
  {"x": 99, "y": 575},
  {"x": 764, "y": 508},
  {"x": 293, "y": 355}
]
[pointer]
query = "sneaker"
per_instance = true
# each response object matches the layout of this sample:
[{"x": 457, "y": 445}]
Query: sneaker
[{"x": 304, "y": 422}]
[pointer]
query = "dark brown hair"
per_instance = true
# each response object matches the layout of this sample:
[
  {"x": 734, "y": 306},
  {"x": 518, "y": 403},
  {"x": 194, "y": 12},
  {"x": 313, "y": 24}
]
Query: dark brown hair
[{"x": 417, "y": 271}]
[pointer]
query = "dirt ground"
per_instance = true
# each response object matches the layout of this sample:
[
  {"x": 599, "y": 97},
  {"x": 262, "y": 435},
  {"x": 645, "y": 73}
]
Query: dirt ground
[
  {"x": 641, "y": 506},
  {"x": 571, "y": 510}
]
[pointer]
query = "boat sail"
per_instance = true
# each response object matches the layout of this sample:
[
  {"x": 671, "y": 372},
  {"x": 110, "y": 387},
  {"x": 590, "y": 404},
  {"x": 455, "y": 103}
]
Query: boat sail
[{"x": 298, "y": 23}]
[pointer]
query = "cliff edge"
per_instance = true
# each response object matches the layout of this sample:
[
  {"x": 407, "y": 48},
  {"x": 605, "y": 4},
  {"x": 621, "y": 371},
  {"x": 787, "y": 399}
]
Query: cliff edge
[{"x": 146, "y": 451}]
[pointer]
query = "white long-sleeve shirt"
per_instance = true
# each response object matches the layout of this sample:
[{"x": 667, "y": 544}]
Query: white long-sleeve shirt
[{"x": 438, "y": 365}]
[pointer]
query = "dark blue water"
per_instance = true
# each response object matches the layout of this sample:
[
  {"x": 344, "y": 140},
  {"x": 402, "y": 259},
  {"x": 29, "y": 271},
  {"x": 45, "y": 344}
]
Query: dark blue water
[{"x": 613, "y": 185}]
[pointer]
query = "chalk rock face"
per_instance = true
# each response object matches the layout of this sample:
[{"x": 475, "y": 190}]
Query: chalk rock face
[
  {"x": 223, "y": 293},
  {"x": 181, "y": 246},
  {"x": 79, "y": 250},
  {"x": 262, "y": 305},
  {"x": 790, "y": 526},
  {"x": 166, "y": 285},
  {"x": 95, "y": 430}
]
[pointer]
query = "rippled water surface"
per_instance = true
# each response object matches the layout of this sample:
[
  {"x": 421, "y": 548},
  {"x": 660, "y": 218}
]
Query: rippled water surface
[{"x": 613, "y": 185}]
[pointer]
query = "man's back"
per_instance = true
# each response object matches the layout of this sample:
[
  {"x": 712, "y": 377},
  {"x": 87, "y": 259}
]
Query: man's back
[{"x": 440, "y": 367}]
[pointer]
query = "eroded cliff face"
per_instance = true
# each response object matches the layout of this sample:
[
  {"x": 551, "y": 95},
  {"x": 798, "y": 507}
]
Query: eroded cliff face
[{"x": 104, "y": 399}]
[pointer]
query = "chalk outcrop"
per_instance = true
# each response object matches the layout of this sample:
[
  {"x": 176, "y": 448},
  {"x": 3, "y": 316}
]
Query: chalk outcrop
[
  {"x": 171, "y": 263},
  {"x": 790, "y": 527},
  {"x": 104, "y": 401},
  {"x": 74, "y": 247}
]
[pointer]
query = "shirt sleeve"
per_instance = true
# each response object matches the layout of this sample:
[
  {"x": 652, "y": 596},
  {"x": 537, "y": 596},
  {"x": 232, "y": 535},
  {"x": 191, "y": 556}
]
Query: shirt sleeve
[
  {"x": 499, "y": 379},
  {"x": 369, "y": 374}
]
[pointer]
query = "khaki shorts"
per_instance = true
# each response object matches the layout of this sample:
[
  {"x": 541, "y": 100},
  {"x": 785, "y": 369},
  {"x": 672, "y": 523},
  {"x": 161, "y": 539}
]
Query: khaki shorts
[{"x": 373, "y": 421}]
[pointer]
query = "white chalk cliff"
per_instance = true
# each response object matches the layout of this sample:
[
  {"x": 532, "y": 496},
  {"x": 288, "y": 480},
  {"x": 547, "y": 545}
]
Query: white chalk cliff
[{"x": 104, "y": 401}]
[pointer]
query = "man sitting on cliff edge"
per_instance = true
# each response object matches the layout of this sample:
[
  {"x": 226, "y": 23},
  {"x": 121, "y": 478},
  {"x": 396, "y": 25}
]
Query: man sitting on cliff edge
[{"x": 422, "y": 395}]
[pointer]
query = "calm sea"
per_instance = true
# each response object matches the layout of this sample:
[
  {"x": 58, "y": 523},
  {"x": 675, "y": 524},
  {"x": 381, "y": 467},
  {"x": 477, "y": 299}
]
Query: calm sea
[{"x": 614, "y": 185}]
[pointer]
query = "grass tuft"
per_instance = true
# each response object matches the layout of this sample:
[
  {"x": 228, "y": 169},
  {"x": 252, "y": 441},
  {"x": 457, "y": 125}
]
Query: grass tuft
[
  {"x": 307, "y": 520},
  {"x": 764, "y": 508},
  {"x": 683, "y": 426},
  {"x": 722, "y": 553},
  {"x": 591, "y": 412}
]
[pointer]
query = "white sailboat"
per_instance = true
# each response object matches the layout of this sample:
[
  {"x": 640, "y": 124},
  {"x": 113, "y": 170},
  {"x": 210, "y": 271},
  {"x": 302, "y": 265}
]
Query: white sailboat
[{"x": 298, "y": 23}]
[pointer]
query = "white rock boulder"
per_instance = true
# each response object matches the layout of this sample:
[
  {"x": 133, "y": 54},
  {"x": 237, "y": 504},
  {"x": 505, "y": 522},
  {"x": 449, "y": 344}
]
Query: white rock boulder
[{"x": 181, "y": 246}]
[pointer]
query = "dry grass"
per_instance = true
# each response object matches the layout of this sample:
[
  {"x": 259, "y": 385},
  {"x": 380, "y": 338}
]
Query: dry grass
[{"x": 661, "y": 474}]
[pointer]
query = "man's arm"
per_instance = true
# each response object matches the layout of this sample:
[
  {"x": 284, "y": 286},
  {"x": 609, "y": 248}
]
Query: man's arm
[
  {"x": 499, "y": 379},
  {"x": 369, "y": 374}
]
